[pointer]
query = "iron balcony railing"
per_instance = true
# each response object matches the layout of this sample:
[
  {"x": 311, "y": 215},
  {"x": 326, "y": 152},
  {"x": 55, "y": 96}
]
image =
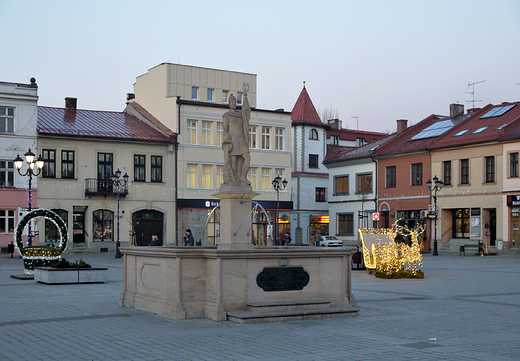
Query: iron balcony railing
[{"x": 94, "y": 186}]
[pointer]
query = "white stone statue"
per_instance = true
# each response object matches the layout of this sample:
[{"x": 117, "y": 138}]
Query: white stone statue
[{"x": 235, "y": 143}]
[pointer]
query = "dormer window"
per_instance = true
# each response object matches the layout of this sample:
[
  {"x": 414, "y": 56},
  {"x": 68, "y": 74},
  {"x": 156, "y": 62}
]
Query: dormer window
[{"x": 313, "y": 135}]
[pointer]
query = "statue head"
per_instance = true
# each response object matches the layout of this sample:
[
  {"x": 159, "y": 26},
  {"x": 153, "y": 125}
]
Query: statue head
[{"x": 232, "y": 100}]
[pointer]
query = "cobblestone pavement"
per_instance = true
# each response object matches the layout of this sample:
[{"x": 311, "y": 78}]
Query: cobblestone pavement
[{"x": 466, "y": 308}]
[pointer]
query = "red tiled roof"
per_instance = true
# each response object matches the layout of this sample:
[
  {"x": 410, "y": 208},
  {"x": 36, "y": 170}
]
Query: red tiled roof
[
  {"x": 95, "y": 124},
  {"x": 478, "y": 129},
  {"x": 351, "y": 134},
  {"x": 349, "y": 153},
  {"x": 304, "y": 112}
]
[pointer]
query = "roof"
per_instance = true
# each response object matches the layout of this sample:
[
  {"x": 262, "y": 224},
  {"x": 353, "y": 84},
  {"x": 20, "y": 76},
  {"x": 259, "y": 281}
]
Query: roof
[
  {"x": 402, "y": 143},
  {"x": 96, "y": 124},
  {"x": 364, "y": 151},
  {"x": 350, "y": 134},
  {"x": 304, "y": 112},
  {"x": 484, "y": 125}
]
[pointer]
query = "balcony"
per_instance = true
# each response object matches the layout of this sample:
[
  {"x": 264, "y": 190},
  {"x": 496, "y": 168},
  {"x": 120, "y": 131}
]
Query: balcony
[{"x": 94, "y": 187}]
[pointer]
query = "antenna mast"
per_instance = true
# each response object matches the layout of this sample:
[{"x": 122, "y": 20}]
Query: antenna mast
[{"x": 472, "y": 92}]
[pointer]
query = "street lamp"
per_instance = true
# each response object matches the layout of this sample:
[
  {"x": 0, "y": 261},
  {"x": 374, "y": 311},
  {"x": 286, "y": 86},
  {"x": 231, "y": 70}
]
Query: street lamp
[
  {"x": 278, "y": 186},
  {"x": 116, "y": 180},
  {"x": 34, "y": 167},
  {"x": 435, "y": 186}
]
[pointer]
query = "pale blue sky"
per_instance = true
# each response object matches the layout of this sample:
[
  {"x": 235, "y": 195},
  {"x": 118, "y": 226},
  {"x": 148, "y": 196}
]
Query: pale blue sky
[{"x": 378, "y": 60}]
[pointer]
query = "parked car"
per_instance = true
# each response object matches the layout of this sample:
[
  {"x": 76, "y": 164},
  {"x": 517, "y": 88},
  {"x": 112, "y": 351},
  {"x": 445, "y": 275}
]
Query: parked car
[{"x": 331, "y": 241}]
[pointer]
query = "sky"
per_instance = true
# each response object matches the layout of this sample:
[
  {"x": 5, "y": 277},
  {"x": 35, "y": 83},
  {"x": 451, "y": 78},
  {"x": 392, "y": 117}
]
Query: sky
[{"x": 371, "y": 62}]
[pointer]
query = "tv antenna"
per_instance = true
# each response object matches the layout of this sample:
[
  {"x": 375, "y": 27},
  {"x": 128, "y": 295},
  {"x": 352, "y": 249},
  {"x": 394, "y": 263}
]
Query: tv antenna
[{"x": 472, "y": 92}]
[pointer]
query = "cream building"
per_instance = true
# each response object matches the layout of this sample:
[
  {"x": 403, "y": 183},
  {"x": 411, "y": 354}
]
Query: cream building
[
  {"x": 82, "y": 149},
  {"x": 191, "y": 101}
]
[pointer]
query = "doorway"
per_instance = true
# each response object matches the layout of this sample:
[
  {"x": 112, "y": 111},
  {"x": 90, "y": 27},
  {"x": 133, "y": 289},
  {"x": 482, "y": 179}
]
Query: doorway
[
  {"x": 147, "y": 223},
  {"x": 78, "y": 224}
]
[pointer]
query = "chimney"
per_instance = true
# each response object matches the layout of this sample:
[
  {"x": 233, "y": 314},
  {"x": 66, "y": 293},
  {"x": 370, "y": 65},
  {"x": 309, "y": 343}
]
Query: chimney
[
  {"x": 456, "y": 110},
  {"x": 71, "y": 103},
  {"x": 335, "y": 124},
  {"x": 402, "y": 124},
  {"x": 129, "y": 97}
]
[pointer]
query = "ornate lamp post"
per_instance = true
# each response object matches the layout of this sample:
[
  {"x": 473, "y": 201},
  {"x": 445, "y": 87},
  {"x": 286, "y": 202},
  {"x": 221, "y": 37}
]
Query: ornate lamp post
[
  {"x": 116, "y": 180},
  {"x": 278, "y": 186},
  {"x": 34, "y": 167},
  {"x": 434, "y": 187}
]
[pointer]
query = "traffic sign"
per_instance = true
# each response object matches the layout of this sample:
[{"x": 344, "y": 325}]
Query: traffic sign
[{"x": 376, "y": 216}]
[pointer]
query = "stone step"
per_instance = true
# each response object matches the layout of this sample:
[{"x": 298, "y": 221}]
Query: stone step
[
  {"x": 249, "y": 317},
  {"x": 287, "y": 305}
]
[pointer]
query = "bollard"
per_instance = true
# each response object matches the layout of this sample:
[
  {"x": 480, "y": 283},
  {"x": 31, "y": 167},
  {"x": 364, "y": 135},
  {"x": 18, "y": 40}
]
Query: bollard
[{"x": 10, "y": 248}]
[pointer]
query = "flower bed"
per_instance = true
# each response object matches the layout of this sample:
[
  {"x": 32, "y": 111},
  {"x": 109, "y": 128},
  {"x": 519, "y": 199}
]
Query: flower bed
[{"x": 52, "y": 276}]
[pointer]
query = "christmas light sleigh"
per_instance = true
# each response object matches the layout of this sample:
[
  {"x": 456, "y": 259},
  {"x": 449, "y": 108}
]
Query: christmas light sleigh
[{"x": 390, "y": 258}]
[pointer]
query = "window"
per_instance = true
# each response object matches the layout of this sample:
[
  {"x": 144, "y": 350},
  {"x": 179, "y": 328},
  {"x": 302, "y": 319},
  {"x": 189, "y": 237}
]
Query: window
[
  {"x": 252, "y": 136},
  {"x": 346, "y": 224},
  {"x": 313, "y": 161},
  {"x": 225, "y": 94},
  {"x": 313, "y": 135},
  {"x": 191, "y": 181},
  {"x": 390, "y": 177},
  {"x": 191, "y": 132},
  {"x": 447, "y": 172},
  {"x": 278, "y": 141},
  {"x": 52, "y": 233},
  {"x": 194, "y": 93},
  {"x": 156, "y": 168},
  {"x": 278, "y": 172},
  {"x": 210, "y": 95},
  {"x": 67, "y": 164},
  {"x": 335, "y": 139},
  {"x": 105, "y": 166},
  {"x": 6, "y": 221},
  {"x": 220, "y": 175},
  {"x": 103, "y": 225},
  {"x": 206, "y": 133},
  {"x": 416, "y": 174},
  {"x": 266, "y": 138},
  {"x": 251, "y": 176},
  {"x": 364, "y": 183},
  {"x": 490, "y": 169},
  {"x": 6, "y": 120},
  {"x": 360, "y": 141},
  {"x": 239, "y": 98},
  {"x": 513, "y": 164},
  {"x": 464, "y": 171},
  {"x": 321, "y": 194},
  {"x": 341, "y": 185},
  {"x": 266, "y": 179},
  {"x": 461, "y": 223},
  {"x": 220, "y": 130},
  {"x": 139, "y": 168},
  {"x": 206, "y": 176},
  {"x": 49, "y": 165},
  {"x": 6, "y": 173}
]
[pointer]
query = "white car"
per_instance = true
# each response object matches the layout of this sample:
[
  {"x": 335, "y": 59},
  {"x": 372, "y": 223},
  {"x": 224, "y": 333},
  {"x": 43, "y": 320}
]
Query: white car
[{"x": 331, "y": 241}]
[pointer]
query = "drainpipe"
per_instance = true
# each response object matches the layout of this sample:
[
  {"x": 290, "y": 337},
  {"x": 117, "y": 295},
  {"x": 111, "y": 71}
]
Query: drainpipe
[{"x": 177, "y": 171}]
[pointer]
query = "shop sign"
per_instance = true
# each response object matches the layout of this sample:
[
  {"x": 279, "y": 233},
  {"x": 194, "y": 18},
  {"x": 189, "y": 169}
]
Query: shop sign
[
  {"x": 320, "y": 219},
  {"x": 513, "y": 200}
]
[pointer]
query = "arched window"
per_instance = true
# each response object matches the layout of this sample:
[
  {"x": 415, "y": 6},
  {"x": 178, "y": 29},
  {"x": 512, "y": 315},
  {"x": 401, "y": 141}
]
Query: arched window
[
  {"x": 103, "y": 225},
  {"x": 313, "y": 134},
  {"x": 51, "y": 232}
]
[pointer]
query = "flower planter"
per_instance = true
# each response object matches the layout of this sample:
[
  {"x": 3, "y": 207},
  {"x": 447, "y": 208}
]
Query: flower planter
[{"x": 54, "y": 276}]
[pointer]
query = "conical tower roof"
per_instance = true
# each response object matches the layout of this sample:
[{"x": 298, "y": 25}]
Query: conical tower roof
[{"x": 303, "y": 111}]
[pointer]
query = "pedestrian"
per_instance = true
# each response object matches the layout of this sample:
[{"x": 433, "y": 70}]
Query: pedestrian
[
  {"x": 155, "y": 241},
  {"x": 188, "y": 238},
  {"x": 287, "y": 239}
]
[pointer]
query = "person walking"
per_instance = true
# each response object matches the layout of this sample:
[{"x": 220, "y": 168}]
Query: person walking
[{"x": 287, "y": 239}]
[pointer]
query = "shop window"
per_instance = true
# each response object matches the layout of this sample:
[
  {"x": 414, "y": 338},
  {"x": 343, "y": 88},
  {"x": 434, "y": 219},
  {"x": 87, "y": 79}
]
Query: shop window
[
  {"x": 52, "y": 234},
  {"x": 461, "y": 220},
  {"x": 103, "y": 225}
]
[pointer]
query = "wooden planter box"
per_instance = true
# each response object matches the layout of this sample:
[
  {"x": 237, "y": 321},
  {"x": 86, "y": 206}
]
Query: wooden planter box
[{"x": 54, "y": 276}]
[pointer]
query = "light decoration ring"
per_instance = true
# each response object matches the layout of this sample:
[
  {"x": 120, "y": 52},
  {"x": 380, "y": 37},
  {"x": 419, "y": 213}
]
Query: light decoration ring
[{"x": 41, "y": 255}]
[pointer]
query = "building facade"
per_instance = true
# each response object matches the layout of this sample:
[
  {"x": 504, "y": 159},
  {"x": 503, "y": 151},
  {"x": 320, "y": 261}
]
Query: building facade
[
  {"x": 18, "y": 115},
  {"x": 82, "y": 150},
  {"x": 191, "y": 101}
]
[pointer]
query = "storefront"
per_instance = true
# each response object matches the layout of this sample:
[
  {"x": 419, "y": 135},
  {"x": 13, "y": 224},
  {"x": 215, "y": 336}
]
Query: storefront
[
  {"x": 202, "y": 216},
  {"x": 513, "y": 204}
]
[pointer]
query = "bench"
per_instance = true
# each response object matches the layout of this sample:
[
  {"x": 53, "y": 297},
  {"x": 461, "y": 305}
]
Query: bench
[{"x": 478, "y": 247}]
